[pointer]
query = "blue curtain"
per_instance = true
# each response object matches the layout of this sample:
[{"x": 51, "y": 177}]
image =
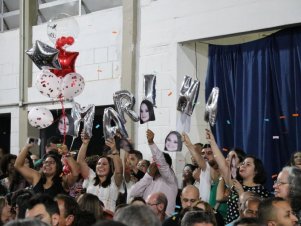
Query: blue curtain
[{"x": 260, "y": 97}]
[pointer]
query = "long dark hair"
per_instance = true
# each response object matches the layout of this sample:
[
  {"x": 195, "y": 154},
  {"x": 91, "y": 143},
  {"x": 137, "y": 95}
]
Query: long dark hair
[
  {"x": 58, "y": 171},
  {"x": 107, "y": 182},
  {"x": 260, "y": 174}
]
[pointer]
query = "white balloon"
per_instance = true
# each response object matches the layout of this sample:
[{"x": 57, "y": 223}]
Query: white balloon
[
  {"x": 40, "y": 117},
  {"x": 73, "y": 84},
  {"x": 62, "y": 25},
  {"x": 49, "y": 84}
]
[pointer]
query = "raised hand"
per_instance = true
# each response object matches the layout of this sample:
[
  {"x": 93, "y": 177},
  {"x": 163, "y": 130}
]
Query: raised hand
[
  {"x": 152, "y": 169},
  {"x": 85, "y": 138},
  {"x": 111, "y": 144},
  {"x": 150, "y": 136},
  {"x": 186, "y": 140},
  {"x": 210, "y": 137}
]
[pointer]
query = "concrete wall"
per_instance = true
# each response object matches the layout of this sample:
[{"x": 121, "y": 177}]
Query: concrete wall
[{"x": 167, "y": 30}]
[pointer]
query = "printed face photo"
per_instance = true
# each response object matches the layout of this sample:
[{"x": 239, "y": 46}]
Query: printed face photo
[
  {"x": 146, "y": 112},
  {"x": 173, "y": 141},
  {"x": 65, "y": 125}
]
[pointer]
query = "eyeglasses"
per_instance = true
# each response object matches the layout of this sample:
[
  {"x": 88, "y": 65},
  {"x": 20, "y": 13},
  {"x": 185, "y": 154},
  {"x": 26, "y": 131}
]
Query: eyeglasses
[
  {"x": 188, "y": 200},
  {"x": 154, "y": 204},
  {"x": 48, "y": 162},
  {"x": 278, "y": 183}
]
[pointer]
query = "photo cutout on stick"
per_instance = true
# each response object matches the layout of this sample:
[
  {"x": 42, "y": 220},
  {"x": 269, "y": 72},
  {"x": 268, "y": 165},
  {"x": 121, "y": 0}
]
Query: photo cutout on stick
[
  {"x": 66, "y": 125},
  {"x": 146, "y": 112},
  {"x": 173, "y": 142}
]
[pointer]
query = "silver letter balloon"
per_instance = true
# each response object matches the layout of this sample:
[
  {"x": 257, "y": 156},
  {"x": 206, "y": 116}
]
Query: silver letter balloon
[
  {"x": 211, "y": 106},
  {"x": 189, "y": 93},
  {"x": 110, "y": 131},
  {"x": 85, "y": 115},
  {"x": 150, "y": 88},
  {"x": 124, "y": 102}
]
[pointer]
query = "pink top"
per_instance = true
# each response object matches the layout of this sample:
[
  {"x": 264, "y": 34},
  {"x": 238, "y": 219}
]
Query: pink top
[{"x": 166, "y": 183}]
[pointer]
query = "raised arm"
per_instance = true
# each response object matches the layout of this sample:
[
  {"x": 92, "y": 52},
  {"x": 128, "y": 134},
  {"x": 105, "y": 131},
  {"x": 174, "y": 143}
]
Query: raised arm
[
  {"x": 163, "y": 167},
  {"x": 118, "y": 168},
  {"x": 81, "y": 157},
  {"x": 219, "y": 157},
  {"x": 198, "y": 158},
  {"x": 30, "y": 175}
]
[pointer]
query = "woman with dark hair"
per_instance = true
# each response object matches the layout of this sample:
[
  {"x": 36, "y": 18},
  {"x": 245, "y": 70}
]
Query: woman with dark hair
[
  {"x": 66, "y": 125},
  {"x": 296, "y": 159},
  {"x": 4, "y": 211},
  {"x": 105, "y": 180},
  {"x": 173, "y": 141},
  {"x": 49, "y": 180},
  {"x": 146, "y": 112},
  {"x": 91, "y": 203},
  {"x": 251, "y": 172}
]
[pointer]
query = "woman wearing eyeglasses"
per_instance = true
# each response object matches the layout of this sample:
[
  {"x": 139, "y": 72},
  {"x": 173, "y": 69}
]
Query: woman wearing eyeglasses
[
  {"x": 49, "y": 179},
  {"x": 288, "y": 186}
]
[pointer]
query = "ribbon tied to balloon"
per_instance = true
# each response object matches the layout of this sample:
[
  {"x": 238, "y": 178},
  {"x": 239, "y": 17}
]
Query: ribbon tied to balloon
[
  {"x": 109, "y": 131},
  {"x": 85, "y": 115},
  {"x": 211, "y": 106},
  {"x": 124, "y": 102},
  {"x": 189, "y": 93}
]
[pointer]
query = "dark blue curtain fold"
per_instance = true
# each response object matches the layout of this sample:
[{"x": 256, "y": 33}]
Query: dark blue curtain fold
[{"x": 260, "y": 96}]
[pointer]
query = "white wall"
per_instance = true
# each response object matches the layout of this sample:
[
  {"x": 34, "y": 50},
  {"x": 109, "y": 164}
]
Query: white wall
[{"x": 163, "y": 25}]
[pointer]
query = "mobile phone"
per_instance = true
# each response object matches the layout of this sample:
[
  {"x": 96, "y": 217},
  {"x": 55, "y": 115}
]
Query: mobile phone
[{"x": 33, "y": 140}]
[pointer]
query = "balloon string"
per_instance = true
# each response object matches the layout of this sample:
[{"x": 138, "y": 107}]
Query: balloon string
[
  {"x": 64, "y": 119},
  {"x": 73, "y": 138}
]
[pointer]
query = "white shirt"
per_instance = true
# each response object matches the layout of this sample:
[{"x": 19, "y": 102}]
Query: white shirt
[{"x": 107, "y": 195}]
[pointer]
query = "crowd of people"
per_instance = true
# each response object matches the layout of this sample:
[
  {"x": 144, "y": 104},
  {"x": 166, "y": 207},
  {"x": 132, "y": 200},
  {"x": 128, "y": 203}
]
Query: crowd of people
[{"x": 121, "y": 188}]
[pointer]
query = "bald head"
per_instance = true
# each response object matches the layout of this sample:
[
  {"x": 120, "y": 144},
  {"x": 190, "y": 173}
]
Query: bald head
[{"x": 190, "y": 194}]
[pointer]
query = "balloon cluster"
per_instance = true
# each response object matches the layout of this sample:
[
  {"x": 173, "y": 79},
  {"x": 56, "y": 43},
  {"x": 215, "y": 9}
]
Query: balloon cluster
[{"x": 58, "y": 78}]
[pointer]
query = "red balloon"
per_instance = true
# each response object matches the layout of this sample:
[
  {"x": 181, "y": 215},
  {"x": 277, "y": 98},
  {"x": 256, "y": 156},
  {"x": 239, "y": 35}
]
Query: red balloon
[
  {"x": 67, "y": 61},
  {"x": 70, "y": 40}
]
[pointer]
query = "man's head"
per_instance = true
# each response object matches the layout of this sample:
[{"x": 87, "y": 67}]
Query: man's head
[
  {"x": 276, "y": 212},
  {"x": 51, "y": 144},
  {"x": 158, "y": 203},
  {"x": 198, "y": 218},
  {"x": 250, "y": 207},
  {"x": 69, "y": 210},
  {"x": 43, "y": 207},
  {"x": 208, "y": 155},
  {"x": 248, "y": 221},
  {"x": 189, "y": 196},
  {"x": 137, "y": 216},
  {"x": 134, "y": 157}
]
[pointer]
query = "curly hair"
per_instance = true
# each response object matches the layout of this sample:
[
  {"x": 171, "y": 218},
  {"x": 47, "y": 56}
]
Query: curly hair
[{"x": 294, "y": 180}]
